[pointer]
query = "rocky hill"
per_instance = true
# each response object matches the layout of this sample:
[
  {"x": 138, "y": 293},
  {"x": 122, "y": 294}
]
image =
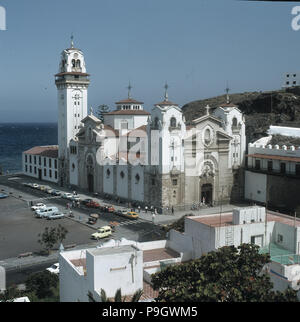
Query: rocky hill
[{"x": 261, "y": 109}]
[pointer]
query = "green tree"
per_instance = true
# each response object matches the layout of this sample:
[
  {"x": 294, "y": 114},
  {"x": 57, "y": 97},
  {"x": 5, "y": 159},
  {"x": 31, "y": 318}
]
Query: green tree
[
  {"x": 48, "y": 239},
  {"x": 61, "y": 233},
  {"x": 227, "y": 275},
  {"x": 10, "y": 294},
  {"x": 42, "y": 284},
  {"x": 101, "y": 110},
  {"x": 51, "y": 236}
]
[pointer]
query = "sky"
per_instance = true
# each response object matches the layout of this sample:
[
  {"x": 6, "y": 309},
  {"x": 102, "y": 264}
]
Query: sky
[{"x": 196, "y": 46}]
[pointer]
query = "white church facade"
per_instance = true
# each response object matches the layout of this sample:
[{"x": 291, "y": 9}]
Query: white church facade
[{"x": 145, "y": 157}]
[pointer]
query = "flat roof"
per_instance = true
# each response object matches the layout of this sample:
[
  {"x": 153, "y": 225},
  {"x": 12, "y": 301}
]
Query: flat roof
[
  {"x": 159, "y": 254},
  {"x": 274, "y": 157},
  {"x": 226, "y": 219},
  {"x": 112, "y": 250}
]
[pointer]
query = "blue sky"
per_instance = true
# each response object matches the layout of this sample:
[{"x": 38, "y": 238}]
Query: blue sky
[{"x": 194, "y": 45}]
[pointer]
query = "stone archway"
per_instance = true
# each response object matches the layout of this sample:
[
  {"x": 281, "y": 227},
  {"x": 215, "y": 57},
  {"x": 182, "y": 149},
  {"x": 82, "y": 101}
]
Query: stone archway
[{"x": 206, "y": 196}]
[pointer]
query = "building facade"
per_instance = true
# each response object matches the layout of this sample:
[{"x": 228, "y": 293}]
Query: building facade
[
  {"x": 145, "y": 157},
  {"x": 272, "y": 175},
  {"x": 41, "y": 162}
]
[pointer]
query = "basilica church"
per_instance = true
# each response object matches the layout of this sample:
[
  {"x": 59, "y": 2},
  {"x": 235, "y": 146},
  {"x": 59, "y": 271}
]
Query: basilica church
[{"x": 149, "y": 157}]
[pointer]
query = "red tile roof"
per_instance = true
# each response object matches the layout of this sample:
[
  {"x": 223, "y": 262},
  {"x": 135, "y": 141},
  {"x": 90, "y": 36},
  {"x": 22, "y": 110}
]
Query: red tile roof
[
  {"x": 274, "y": 157},
  {"x": 166, "y": 103},
  {"x": 128, "y": 112},
  {"x": 44, "y": 151},
  {"x": 228, "y": 105},
  {"x": 159, "y": 254},
  {"x": 129, "y": 101}
]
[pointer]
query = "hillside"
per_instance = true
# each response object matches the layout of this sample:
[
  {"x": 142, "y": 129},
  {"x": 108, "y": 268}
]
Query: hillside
[{"x": 261, "y": 109}]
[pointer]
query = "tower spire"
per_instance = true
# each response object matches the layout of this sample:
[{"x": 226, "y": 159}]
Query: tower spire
[
  {"x": 166, "y": 91},
  {"x": 227, "y": 93},
  {"x": 129, "y": 90},
  {"x": 72, "y": 41}
]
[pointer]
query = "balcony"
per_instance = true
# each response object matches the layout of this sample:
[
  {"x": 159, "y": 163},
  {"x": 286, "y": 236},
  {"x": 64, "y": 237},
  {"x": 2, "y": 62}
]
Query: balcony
[{"x": 273, "y": 172}]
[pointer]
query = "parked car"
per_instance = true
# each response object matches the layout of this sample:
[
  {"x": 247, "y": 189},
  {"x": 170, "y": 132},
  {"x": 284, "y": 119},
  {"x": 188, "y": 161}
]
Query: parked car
[
  {"x": 35, "y": 186},
  {"x": 49, "y": 190},
  {"x": 93, "y": 219},
  {"x": 56, "y": 193},
  {"x": 92, "y": 204},
  {"x": 108, "y": 208},
  {"x": 121, "y": 212},
  {"x": 3, "y": 195},
  {"x": 54, "y": 268},
  {"x": 75, "y": 198},
  {"x": 102, "y": 232},
  {"x": 42, "y": 188},
  {"x": 67, "y": 195},
  {"x": 131, "y": 215},
  {"x": 38, "y": 206},
  {"x": 56, "y": 216},
  {"x": 85, "y": 201},
  {"x": 27, "y": 184},
  {"x": 43, "y": 213}
]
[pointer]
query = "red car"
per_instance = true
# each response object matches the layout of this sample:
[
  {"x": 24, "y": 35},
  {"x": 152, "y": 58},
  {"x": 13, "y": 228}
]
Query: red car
[{"x": 92, "y": 204}]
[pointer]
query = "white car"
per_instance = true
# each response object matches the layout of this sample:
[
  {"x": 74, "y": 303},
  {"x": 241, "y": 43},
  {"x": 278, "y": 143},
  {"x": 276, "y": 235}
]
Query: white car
[
  {"x": 45, "y": 212},
  {"x": 35, "y": 186},
  {"x": 54, "y": 268},
  {"x": 75, "y": 198},
  {"x": 38, "y": 206},
  {"x": 67, "y": 195}
]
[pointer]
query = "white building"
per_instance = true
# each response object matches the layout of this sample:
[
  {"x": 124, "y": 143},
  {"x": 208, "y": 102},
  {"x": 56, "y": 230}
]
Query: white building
[
  {"x": 129, "y": 265},
  {"x": 41, "y": 162},
  {"x": 124, "y": 264},
  {"x": 271, "y": 169},
  {"x": 291, "y": 79}
]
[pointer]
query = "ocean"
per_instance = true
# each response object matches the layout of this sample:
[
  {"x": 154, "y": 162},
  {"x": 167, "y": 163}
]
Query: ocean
[{"x": 18, "y": 137}]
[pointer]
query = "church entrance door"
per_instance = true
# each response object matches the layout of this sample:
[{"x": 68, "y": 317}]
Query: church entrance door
[
  {"x": 90, "y": 182},
  {"x": 206, "y": 194}
]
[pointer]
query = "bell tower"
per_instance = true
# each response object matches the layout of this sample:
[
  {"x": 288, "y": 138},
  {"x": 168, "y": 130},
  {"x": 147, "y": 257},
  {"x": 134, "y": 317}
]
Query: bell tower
[{"x": 72, "y": 85}]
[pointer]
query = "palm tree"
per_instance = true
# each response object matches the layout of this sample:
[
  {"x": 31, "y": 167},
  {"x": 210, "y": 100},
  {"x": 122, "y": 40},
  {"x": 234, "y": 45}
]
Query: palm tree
[{"x": 118, "y": 296}]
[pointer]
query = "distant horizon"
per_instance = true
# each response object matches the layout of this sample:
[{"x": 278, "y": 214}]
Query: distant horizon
[{"x": 200, "y": 99}]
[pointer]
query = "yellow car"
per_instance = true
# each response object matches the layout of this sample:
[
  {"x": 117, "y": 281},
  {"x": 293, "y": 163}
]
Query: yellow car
[
  {"x": 102, "y": 232},
  {"x": 131, "y": 215}
]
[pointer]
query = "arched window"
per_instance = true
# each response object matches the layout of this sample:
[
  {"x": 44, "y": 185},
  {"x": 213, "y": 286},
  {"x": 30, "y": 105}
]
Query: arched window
[
  {"x": 78, "y": 63},
  {"x": 107, "y": 173},
  {"x": 73, "y": 63},
  {"x": 137, "y": 178},
  {"x": 156, "y": 120},
  {"x": 173, "y": 122},
  {"x": 207, "y": 136},
  {"x": 122, "y": 174},
  {"x": 234, "y": 122}
]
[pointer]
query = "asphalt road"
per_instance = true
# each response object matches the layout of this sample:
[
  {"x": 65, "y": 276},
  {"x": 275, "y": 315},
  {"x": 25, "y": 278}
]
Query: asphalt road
[{"x": 19, "y": 228}]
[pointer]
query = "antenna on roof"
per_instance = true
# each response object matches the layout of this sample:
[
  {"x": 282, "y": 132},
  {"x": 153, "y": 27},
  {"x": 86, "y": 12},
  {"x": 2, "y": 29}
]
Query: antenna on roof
[{"x": 166, "y": 91}]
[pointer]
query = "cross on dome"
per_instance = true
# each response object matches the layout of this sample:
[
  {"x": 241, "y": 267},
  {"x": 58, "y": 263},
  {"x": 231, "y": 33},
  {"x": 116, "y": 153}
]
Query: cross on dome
[
  {"x": 227, "y": 94},
  {"x": 207, "y": 109},
  {"x": 166, "y": 91},
  {"x": 129, "y": 90},
  {"x": 72, "y": 41}
]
